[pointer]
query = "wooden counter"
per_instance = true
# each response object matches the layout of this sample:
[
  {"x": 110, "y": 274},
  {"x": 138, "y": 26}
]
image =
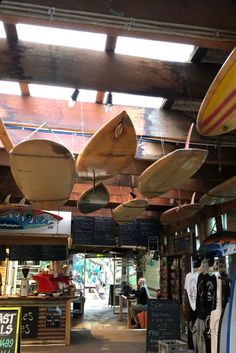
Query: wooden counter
[{"x": 45, "y": 320}]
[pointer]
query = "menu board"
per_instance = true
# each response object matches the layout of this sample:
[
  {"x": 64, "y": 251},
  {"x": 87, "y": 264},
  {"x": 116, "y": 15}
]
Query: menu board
[
  {"x": 37, "y": 252},
  {"x": 104, "y": 231},
  {"x": 9, "y": 330},
  {"x": 29, "y": 322},
  {"x": 53, "y": 317},
  {"x": 83, "y": 230},
  {"x": 163, "y": 322}
]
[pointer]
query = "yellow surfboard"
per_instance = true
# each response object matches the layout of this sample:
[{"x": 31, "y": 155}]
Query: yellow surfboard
[
  {"x": 180, "y": 213},
  {"x": 129, "y": 210},
  {"x": 171, "y": 170},
  {"x": 217, "y": 114},
  {"x": 44, "y": 171},
  {"x": 94, "y": 198},
  {"x": 109, "y": 150},
  {"x": 221, "y": 193}
]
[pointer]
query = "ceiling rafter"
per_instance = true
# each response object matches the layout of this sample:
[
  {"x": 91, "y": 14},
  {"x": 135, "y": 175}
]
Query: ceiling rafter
[
  {"x": 165, "y": 20},
  {"x": 56, "y": 65}
]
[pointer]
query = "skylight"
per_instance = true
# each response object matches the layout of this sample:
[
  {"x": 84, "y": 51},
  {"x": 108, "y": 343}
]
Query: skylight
[
  {"x": 64, "y": 37},
  {"x": 153, "y": 49},
  {"x": 136, "y": 100},
  {"x": 63, "y": 93},
  {"x": 2, "y": 31},
  {"x": 9, "y": 87}
]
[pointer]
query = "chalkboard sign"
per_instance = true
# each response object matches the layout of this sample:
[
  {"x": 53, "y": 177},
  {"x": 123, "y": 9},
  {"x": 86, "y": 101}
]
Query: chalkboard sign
[
  {"x": 29, "y": 322},
  {"x": 181, "y": 244},
  {"x": 163, "y": 322},
  {"x": 53, "y": 316},
  {"x": 9, "y": 330},
  {"x": 104, "y": 231},
  {"x": 55, "y": 252},
  {"x": 2, "y": 252},
  {"x": 153, "y": 243},
  {"x": 129, "y": 233},
  {"x": 37, "y": 252}
]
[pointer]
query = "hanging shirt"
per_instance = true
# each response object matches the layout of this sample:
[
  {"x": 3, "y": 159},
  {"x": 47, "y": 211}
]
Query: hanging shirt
[
  {"x": 206, "y": 295},
  {"x": 190, "y": 286}
]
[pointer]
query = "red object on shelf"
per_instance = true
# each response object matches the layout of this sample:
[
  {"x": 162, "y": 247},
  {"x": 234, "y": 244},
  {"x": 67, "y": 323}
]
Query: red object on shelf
[{"x": 47, "y": 283}]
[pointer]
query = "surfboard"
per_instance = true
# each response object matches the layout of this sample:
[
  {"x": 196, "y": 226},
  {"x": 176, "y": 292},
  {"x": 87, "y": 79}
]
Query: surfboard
[
  {"x": 109, "y": 150},
  {"x": 180, "y": 213},
  {"x": 231, "y": 336},
  {"x": 217, "y": 113},
  {"x": 171, "y": 170},
  {"x": 222, "y": 332},
  {"x": 129, "y": 210},
  {"x": 94, "y": 198},
  {"x": 44, "y": 171},
  {"x": 219, "y": 244},
  {"x": 223, "y": 192},
  {"x": 26, "y": 210}
]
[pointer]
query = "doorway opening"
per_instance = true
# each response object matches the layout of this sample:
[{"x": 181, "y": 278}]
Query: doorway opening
[{"x": 99, "y": 279}]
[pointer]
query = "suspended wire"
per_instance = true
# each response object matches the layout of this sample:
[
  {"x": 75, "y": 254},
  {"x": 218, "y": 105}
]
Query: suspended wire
[{"x": 34, "y": 132}]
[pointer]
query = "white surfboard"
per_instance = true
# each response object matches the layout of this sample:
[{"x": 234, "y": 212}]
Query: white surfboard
[
  {"x": 109, "y": 150},
  {"x": 180, "y": 213},
  {"x": 223, "y": 192},
  {"x": 44, "y": 171},
  {"x": 171, "y": 170},
  {"x": 231, "y": 328},
  {"x": 129, "y": 210}
]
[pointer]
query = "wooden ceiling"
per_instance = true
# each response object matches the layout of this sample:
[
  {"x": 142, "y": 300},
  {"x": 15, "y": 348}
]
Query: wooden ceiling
[{"x": 209, "y": 25}]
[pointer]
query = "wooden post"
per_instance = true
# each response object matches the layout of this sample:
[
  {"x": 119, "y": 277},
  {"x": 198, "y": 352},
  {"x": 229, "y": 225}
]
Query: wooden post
[
  {"x": 121, "y": 316},
  {"x": 68, "y": 321}
]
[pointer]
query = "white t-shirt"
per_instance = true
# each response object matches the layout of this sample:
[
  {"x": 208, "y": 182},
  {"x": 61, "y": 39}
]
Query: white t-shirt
[{"x": 191, "y": 288}]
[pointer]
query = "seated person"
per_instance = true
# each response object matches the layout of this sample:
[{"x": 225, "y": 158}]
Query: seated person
[{"x": 142, "y": 295}]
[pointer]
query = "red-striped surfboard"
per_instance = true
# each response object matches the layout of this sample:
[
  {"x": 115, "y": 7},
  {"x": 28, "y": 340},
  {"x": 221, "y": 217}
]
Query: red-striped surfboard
[{"x": 217, "y": 114}]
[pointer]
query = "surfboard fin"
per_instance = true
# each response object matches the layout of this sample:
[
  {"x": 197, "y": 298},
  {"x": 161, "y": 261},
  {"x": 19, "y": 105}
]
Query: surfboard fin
[
  {"x": 189, "y": 136},
  {"x": 193, "y": 198},
  {"x": 22, "y": 201},
  {"x": 7, "y": 199}
]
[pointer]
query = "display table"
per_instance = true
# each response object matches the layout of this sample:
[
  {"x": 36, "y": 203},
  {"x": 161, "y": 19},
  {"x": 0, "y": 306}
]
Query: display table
[{"x": 45, "y": 320}]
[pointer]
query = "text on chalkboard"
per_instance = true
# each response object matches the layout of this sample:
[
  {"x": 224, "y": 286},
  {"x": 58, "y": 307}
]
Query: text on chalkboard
[
  {"x": 163, "y": 322},
  {"x": 29, "y": 322},
  {"x": 9, "y": 329},
  {"x": 53, "y": 317}
]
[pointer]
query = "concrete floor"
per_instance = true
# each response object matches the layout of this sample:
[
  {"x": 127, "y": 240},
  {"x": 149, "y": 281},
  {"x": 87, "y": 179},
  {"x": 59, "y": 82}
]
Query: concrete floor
[{"x": 98, "y": 331}]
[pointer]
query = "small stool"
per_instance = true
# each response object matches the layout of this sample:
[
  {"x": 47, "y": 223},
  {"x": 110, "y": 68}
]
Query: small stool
[{"x": 142, "y": 318}]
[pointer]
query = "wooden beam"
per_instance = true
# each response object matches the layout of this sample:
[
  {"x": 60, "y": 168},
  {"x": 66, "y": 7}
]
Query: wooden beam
[
  {"x": 110, "y": 44},
  {"x": 6, "y": 141},
  {"x": 32, "y": 63},
  {"x": 100, "y": 97},
  {"x": 167, "y": 126},
  {"x": 11, "y": 33},
  {"x": 202, "y": 23},
  {"x": 24, "y": 87}
]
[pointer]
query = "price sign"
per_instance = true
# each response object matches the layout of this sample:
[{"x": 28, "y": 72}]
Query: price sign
[
  {"x": 163, "y": 322},
  {"x": 9, "y": 329},
  {"x": 53, "y": 317}
]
